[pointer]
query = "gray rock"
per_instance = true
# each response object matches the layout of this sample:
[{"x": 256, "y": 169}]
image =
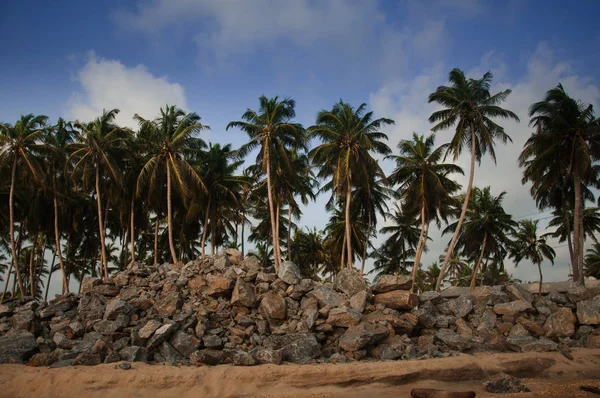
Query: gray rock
[
  {"x": 149, "y": 328},
  {"x": 242, "y": 358},
  {"x": 55, "y": 308},
  {"x": 243, "y": 294},
  {"x": 124, "y": 366},
  {"x": 502, "y": 383},
  {"x": 169, "y": 303},
  {"x": 576, "y": 293},
  {"x": 207, "y": 357},
  {"x": 134, "y": 354},
  {"x": 310, "y": 309},
  {"x": 268, "y": 355},
  {"x": 326, "y": 297},
  {"x": 161, "y": 335},
  {"x": 222, "y": 262},
  {"x": 63, "y": 363},
  {"x": 273, "y": 306},
  {"x": 302, "y": 350},
  {"x": 519, "y": 293},
  {"x": 344, "y": 317},
  {"x": 169, "y": 354},
  {"x": 560, "y": 324},
  {"x": 86, "y": 359},
  {"x": 452, "y": 340},
  {"x": 17, "y": 347},
  {"x": 512, "y": 308},
  {"x": 434, "y": 297},
  {"x": 530, "y": 344},
  {"x": 214, "y": 342},
  {"x": 184, "y": 343},
  {"x": 362, "y": 335},
  {"x": 109, "y": 327},
  {"x": 349, "y": 281},
  {"x": 462, "y": 306},
  {"x": 115, "y": 307},
  {"x": 588, "y": 311},
  {"x": 87, "y": 343},
  {"x": 388, "y": 283},
  {"x": 289, "y": 273}
]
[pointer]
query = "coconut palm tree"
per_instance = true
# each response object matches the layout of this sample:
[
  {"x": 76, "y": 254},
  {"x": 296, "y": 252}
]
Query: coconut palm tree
[
  {"x": 592, "y": 261},
  {"x": 405, "y": 232},
  {"x": 350, "y": 138},
  {"x": 391, "y": 259},
  {"x": 171, "y": 142},
  {"x": 529, "y": 246},
  {"x": 425, "y": 185},
  {"x": 272, "y": 130},
  {"x": 308, "y": 251},
  {"x": 565, "y": 146},
  {"x": 21, "y": 144},
  {"x": 455, "y": 267},
  {"x": 470, "y": 107}
]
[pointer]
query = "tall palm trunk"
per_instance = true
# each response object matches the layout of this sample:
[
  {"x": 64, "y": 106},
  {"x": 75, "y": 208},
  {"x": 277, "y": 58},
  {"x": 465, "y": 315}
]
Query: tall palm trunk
[
  {"x": 12, "y": 226},
  {"x": 462, "y": 216},
  {"x": 271, "y": 208},
  {"x": 289, "y": 237},
  {"x": 343, "y": 256},
  {"x": 40, "y": 261},
  {"x": 243, "y": 222},
  {"x": 577, "y": 275},
  {"x": 132, "y": 228},
  {"x": 205, "y": 224},
  {"x": 474, "y": 277},
  {"x": 213, "y": 235},
  {"x": 31, "y": 258},
  {"x": 169, "y": 215},
  {"x": 420, "y": 248},
  {"x": 539, "y": 265},
  {"x": 581, "y": 245},
  {"x": 277, "y": 225},
  {"x": 58, "y": 251},
  {"x": 50, "y": 277},
  {"x": 103, "y": 261},
  {"x": 348, "y": 228},
  {"x": 156, "y": 225},
  {"x": 364, "y": 257}
]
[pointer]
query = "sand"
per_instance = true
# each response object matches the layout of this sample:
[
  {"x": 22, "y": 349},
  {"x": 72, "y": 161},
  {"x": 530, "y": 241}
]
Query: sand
[{"x": 546, "y": 374}]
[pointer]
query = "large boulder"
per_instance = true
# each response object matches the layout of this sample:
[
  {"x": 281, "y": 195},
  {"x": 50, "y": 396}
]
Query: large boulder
[
  {"x": 561, "y": 323},
  {"x": 362, "y": 335},
  {"x": 462, "y": 306},
  {"x": 398, "y": 299},
  {"x": 273, "y": 306},
  {"x": 452, "y": 340},
  {"x": 17, "y": 347},
  {"x": 325, "y": 296},
  {"x": 358, "y": 302},
  {"x": 512, "y": 307},
  {"x": 588, "y": 311},
  {"x": 519, "y": 293},
  {"x": 169, "y": 303},
  {"x": 243, "y": 294},
  {"x": 387, "y": 283},
  {"x": 344, "y": 317},
  {"x": 302, "y": 350},
  {"x": 115, "y": 307},
  {"x": 289, "y": 273},
  {"x": 218, "y": 285},
  {"x": 349, "y": 281},
  {"x": 531, "y": 326},
  {"x": 207, "y": 357}
]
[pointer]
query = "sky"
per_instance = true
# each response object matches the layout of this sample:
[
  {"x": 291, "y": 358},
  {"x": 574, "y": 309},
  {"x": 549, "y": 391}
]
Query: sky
[{"x": 74, "y": 59}]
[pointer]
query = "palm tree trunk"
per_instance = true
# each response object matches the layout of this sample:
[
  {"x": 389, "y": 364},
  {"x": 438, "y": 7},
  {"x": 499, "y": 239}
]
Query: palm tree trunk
[
  {"x": 364, "y": 257},
  {"x": 39, "y": 268},
  {"x": 539, "y": 265},
  {"x": 420, "y": 248},
  {"x": 343, "y": 256},
  {"x": 156, "y": 224},
  {"x": 577, "y": 275},
  {"x": 581, "y": 246},
  {"x": 50, "y": 277},
  {"x": 205, "y": 225},
  {"x": 235, "y": 241},
  {"x": 271, "y": 208},
  {"x": 12, "y": 227},
  {"x": 132, "y": 228},
  {"x": 289, "y": 237},
  {"x": 31, "y": 257},
  {"x": 7, "y": 282},
  {"x": 462, "y": 216},
  {"x": 315, "y": 268},
  {"x": 58, "y": 251},
  {"x": 213, "y": 235},
  {"x": 243, "y": 222},
  {"x": 348, "y": 228},
  {"x": 169, "y": 215},
  {"x": 100, "y": 225},
  {"x": 474, "y": 277}
]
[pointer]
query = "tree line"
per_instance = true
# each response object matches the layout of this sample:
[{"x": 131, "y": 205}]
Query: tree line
[{"x": 97, "y": 196}]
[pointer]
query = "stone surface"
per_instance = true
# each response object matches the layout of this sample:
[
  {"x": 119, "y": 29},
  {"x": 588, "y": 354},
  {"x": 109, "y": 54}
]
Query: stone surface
[
  {"x": 362, "y": 335},
  {"x": 502, "y": 383},
  {"x": 17, "y": 347},
  {"x": 289, "y": 273},
  {"x": 185, "y": 343},
  {"x": 531, "y": 326},
  {"x": 273, "y": 306},
  {"x": 462, "y": 306},
  {"x": 115, "y": 307},
  {"x": 560, "y": 324},
  {"x": 519, "y": 293},
  {"x": 149, "y": 328},
  {"x": 398, "y": 299},
  {"x": 387, "y": 283},
  {"x": 268, "y": 355},
  {"x": 588, "y": 311},
  {"x": 512, "y": 307},
  {"x": 452, "y": 339},
  {"x": 218, "y": 285},
  {"x": 207, "y": 357},
  {"x": 302, "y": 350},
  {"x": 243, "y": 294},
  {"x": 344, "y": 317},
  {"x": 169, "y": 303},
  {"x": 326, "y": 297},
  {"x": 349, "y": 281},
  {"x": 134, "y": 354},
  {"x": 160, "y": 335},
  {"x": 358, "y": 301}
]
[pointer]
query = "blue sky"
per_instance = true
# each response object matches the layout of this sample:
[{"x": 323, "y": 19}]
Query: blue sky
[{"x": 74, "y": 58}]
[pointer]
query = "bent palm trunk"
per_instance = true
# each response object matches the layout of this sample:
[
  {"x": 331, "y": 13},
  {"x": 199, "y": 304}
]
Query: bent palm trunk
[
  {"x": 541, "y": 278},
  {"x": 474, "y": 277},
  {"x": 132, "y": 228},
  {"x": 348, "y": 228},
  {"x": 203, "y": 243},
  {"x": 103, "y": 261},
  {"x": 271, "y": 208}
]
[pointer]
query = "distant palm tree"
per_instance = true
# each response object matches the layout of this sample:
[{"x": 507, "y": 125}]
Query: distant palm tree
[
  {"x": 271, "y": 129},
  {"x": 592, "y": 261},
  {"x": 455, "y": 267},
  {"x": 350, "y": 138},
  {"x": 21, "y": 143},
  {"x": 404, "y": 231},
  {"x": 308, "y": 250},
  {"x": 391, "y": 259},
  {"x": 529, "y": 246},
  {"x": 470, "y": 106},
  {"x": 171, "y": 141}
]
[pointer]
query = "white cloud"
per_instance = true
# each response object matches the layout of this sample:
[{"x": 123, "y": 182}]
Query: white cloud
[
  {"x": 405, "y": 100},
  {"x": 108, "y": 84}
]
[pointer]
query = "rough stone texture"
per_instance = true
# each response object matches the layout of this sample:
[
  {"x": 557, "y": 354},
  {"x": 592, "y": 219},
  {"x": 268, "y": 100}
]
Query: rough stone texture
[
  {"x": 169, "y": 304},
  {"x": 268, "y": 355},
  {"x": 519, "y": 293},
  {"x": 398, "y": 299},
  {"x": 512, "y": 308},
  {"x": 530, "y": 344},
  {"x": 134, "y": 354},
  {"x": 502, "y": 383},
  {"x": 462, "y": 306},
  {"x": 243, "y": 294},
  {"x": 218, "y": 285},
  {"x": 234, "y": 256},
  {"x": 560, "y": 324},
  {"x": 17, "y": 347},
  {"x": 362, "y": 335},
  {"x": 289, "y": 273},
  {"x": 344, "y": 317},
  {"x": 273, "y": 306},
  {"x": 161, "y": 334},
  {"x": 184, "y": 343},
  {"x": 207, "y": 357},
  {"x": 326, "y": 297},
  {"x": 588, "y": 311},
  {"x": 452, "y": 340},
  {"x": 387, "y": 283},
  {"x": 349, "y": 281},
  {"x": 358, "y": 302},
  {"x": 302, "y": 350},
  {"x": 149, "y": 328},
  {"x": 531, "y": 326},
  {"x": 115, "y": 307}
]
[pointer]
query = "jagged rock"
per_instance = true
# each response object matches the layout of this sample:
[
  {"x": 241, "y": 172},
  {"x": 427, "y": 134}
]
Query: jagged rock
[
  {"x": 519, "y": 293},
  {"x": 273, "y": 306},
  {"x": 530, "y": 344},
  {"x": 149, "y": 328},
  {"x": 106, "y": 326},
  {"x": 432, "y": 296},
  {"x": 588, "y": 311},
  {"x": 243, "y": 294},
  {"x": 512, "y": 308},
  {"x": 362, "y": 335},
  {"x": 326, "y": 297},
  {"x": 17, "y": 347},
  {"x": 23, "y": 320},
  {"x": 221, "y": 262},
  {"x": 207, "y": 357},
  {"x": 161, "y": 334},
  {"x": 63, "y": 363},
  {"x": 398, "y": 299},
  {"x": 115, "y": 307},
  {"x": 358, "y": 301},
  {"x": 463, "y": 329},
  {"x": 88, "y": 283},
  {"x": 169, "y": 303},
  {"x": 518, "y": 331},
  {"x": 85, "y": 359},
  {"x": 108, "y": 290},
  {"x": 218, "y": 285},
  {"x": 184, "y": 343},
  {"x": 242, "y": 358},
  {"x": 51, "y": 310},
  {"x": 487, "y": 320},
  {"x": 310, "y": 309},
  {"x": 214, "y": 342},
  {"x": 388, "y": 283},
  {"x": 576, "y": 293},
  {"x": 235, "y": 256},
  {"x": 134, "y": 354},
  {"x": 268, "y": 355},
  {"x": 452, "y": 340},
  {"x": 289, "y": 273},
  {"x": 349, "y": 281},
  {"x": 560, "y": 324},
  {"x": 6, "y": 309},
  {"x": 168, "y": 354},
  {"x": 462, "y": 306},
  {"x": 531, "y": 326},
  {"x": 592, "y": 341},
  {"x": 344, "y": 317},
  {"x": 301, "y": 350},
  {"x": 502, "y": 383}
]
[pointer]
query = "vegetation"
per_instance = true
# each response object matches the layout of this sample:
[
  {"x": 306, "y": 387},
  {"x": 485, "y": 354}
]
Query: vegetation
[{"x": 86, "y": 198}]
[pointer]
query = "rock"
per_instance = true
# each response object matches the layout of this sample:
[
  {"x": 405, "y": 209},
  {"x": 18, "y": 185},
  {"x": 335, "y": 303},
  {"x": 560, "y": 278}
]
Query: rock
[
  {"x": 207, "y": 357},
  {"x": 344, "y": 317},
  {"x": 592, "y": 341},
  {"x": 273, "y": 306},
  {"x": 243, "y": 294},
  {"x": 518, "y": 331},
  {"x": 23, "y": 320},
  {"x": 6, "y": 309},
  {"x": 134, "y": 354},
  {"x": 109, "y": 290},
  {"x": 588, "y": 311},
  {"x": 85, "y": 359},
  {"x": 512, "y": 308},
  {"x": 401, "y": 323},
  {"x": 169, "y": 354},
  {"x": 115, "y": 307},
  {"x": 362, "y": 335},
  {"x": 242, "y": 358},
  {"x": 576, "y": 293},
  {"x": 234, "y": 256},
  {"x": 398, "y": 299},
  {"x": 326, "y": 297},
  {"x": 268, "y": 355},
  {"x": 160, "y": 335},
  {"x": 106, "y": 327},
  {"x": 302, "y": 350},
  {"x": 487, "y": 320},
  {"x": 218, "y": 285},
  {"x": 299, "y": 290},
  {"x": 530, "y": 344},
  {"x": 463, "y": 329},
  {"x": 434, "y": 393},
  {"x": 289, "y": 273},
  {"x": 63, "y": 364},
  {"x": 452, "y": 340},
  {"x": 124, "y": 366},
  {"x": 184, "y": 343},
  {"x": 169, "y": 303},
  {"x": 560, "y": 324},
  {"x": 349, "y": 281},
  {"x": 519, "y": 293},
  {"x": 51, "y": 310},
  {"x": 531, "y": 326},
  {"x": 149, "y": 328},
  {"x": 462, "y": 306},
  {"x": 358, "y": 302},
  {"x": 502, "y": 383},
  {"x": 17, "y": 347},
  {"x": 388, "y": 283},
  {"x": 214, "y": 342},
  {"x": 88, "y": 284}
]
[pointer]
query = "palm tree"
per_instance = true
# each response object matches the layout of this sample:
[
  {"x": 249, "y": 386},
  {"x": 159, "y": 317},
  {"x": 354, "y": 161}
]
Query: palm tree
[
  {"x": 21, "y": 143},
  {"x": 350, "y": 137},
  {"x": 271, "y": 129},
  {"x": 456, "y": 265},
  {"x": 171, "y": 141},
  {"x": 425, "y": 185},
  {"x": 391, "y": 259},
  {"x": 528, "y": 245},
  {"x": 405, "y": 233},
  {"x": 470, "y": 106},
  {"x": 592, "y": 261},
  {"x": 308, "y": 251},
  {"x": 565, "y": 147}
]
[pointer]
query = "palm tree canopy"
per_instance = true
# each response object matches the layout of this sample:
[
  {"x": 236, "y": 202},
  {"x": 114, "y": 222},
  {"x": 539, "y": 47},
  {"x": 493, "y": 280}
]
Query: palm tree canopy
[{"x": 528, "y": 245}]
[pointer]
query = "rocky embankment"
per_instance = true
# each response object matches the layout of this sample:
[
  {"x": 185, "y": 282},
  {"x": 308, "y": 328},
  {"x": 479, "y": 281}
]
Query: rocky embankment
[{"x": 227, "y": 309}]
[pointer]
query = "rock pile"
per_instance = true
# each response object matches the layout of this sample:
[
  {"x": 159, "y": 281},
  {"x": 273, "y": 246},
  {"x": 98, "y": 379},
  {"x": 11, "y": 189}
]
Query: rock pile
[{"x": 227, "y": 309}]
